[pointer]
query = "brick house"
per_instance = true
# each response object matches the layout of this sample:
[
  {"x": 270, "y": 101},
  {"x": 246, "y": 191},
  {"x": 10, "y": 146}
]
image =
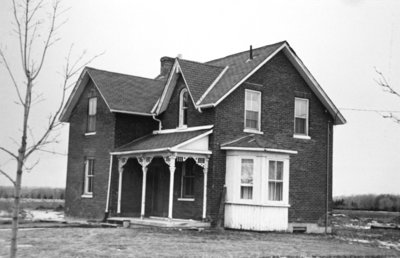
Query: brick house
[{"x": 255, "y": 122}]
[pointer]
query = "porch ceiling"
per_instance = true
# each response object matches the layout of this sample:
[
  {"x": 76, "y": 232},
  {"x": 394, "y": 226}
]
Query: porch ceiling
[{"x": 177, "y": 141}]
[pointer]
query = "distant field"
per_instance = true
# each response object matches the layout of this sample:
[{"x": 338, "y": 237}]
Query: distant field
[{"x": 32, "y": 204}]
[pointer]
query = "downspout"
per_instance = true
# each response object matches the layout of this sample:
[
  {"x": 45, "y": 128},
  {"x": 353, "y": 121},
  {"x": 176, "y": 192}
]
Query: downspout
[
  {"x": 159, "y": 122},
  {"x": 327, "y": 177}
]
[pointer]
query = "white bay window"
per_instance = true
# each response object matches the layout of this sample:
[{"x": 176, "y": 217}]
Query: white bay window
[{"x": 246, "y": 180}]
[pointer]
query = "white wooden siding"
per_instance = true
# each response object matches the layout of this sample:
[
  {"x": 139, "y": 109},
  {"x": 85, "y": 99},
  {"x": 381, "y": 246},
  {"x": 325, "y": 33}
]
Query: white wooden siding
[{"x": 256, "y": 217}]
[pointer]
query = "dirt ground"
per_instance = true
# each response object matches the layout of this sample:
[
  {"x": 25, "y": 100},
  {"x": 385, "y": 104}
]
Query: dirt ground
[{"x": 152, "y": 242}]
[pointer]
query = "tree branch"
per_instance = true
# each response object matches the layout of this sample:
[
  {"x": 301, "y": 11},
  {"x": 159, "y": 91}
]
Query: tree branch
[
  {"x": 384, "y": 84},
  {"x": 7, "y": 176},
  {"x": 9, "y": 152},
  {"x": 12, "y": 77}
]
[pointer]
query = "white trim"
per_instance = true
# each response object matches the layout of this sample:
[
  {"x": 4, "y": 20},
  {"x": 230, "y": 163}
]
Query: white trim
[
  {"x": 248, "y": 130},
  {"x": 260, "y": 205},
  {"x": 184, "y": 129},
  {"x": 130, "y": 112},
  {"x": 254, "y": 84},
  {"x": 212, "y": 85},
  {"x": 91, "y": 133},
  {"x": 181, "y": 108},
  {"x": 300, "y": 136},
  {"x": 186, "y": 199},
  {"x": 109, "y": 183},
  {"x": 139, "y": 151},
  {"x": 152, "y": 111},
  {"x": 187, "y": 85},
  {"x": 193, "y": 139},
  {"x": 206, "y": 152},
  {"x": 307, "y": 114},
  {"x": 250, "y": 74},
  {"x": 87, "y": 195},
  {"x": 164, "y": 93},
  {"x": 260, "y": 149}
]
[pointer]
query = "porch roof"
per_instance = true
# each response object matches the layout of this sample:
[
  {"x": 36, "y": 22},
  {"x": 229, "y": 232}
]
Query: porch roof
[
  {"x": 175, "y": 141},
  {"x": 253, "y": 142}
]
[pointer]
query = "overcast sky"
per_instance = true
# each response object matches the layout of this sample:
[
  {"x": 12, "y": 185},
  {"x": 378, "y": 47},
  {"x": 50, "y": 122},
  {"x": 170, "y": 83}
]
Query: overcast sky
[{"x": 339, "y": 41}]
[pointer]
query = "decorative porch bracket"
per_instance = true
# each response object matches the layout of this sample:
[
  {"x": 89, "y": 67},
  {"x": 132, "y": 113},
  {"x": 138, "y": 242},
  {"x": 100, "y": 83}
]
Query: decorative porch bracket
[
  {"x": 170, "y": 160},
  {"x": 144, "y": 162},
  {"x": 121, "y": 163}
]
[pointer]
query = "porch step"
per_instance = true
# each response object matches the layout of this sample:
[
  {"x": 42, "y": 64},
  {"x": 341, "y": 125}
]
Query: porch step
[{"x": 161, "y": 222}]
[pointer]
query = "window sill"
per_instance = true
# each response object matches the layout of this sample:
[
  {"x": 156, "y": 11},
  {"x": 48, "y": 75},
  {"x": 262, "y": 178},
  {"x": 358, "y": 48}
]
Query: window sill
[
  {"x": 186, "y": 199},
  {"x": 270, "y": 204},
  {"x": 87, "y": 195},
  {"x": 246, "y": 130},
  {"x": 91, "y": 133},
  {"x": 300, "y": 136}
]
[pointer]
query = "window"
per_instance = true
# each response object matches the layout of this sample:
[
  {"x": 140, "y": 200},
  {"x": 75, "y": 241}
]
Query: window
[
  {"x": 275, "y": 180},
  {"x": 252, "y": 115},
  {"x": 89, "y": 174},
  {"x": 301, "y": 116},
  {"x": 92, "y": 110},
  {"x": 246, "y": 183},
  {"x": 187, "y": 188},
  {"x": 183, "y": 107}
]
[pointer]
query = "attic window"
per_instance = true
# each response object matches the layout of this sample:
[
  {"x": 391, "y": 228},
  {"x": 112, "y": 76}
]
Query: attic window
[{"x": 183, "y": 107}]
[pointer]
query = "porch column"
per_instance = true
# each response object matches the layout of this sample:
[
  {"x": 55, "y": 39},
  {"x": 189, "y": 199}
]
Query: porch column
[
  {"x": 170, "y": 160},
  {"x": 144, "y": 162},
  {"x": 121, "y": 163},
  {"x": 205, "y": 172}
]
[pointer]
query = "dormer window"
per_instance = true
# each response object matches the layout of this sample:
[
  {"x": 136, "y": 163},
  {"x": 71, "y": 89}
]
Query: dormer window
[
  {"x": 183, "y": 107},
  {"x": 92, "y": 111}
]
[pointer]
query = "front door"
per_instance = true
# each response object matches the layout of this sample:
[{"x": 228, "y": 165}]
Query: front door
[{"x": 158, "y": 185}]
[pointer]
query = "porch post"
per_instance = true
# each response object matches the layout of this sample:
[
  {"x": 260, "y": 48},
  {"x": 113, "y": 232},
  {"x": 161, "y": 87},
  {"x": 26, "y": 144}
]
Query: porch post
[
  {"x": 121, "y": 163},
  {"x": 205, "y": 172},
  {"x": 144, "y": 162},
  {"x": 171, "y": 162}
]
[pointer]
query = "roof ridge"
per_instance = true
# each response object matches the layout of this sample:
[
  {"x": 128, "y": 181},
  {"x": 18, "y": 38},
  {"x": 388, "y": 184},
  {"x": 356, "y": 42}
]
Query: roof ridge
[
  {"x": 140, "y": 77},
  {"x": 270, "y": 45},
  {"x": 197, "y": 62}
]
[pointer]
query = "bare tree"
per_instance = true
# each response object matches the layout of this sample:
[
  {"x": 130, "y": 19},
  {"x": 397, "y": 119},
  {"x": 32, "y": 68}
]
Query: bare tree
[
  {"x": 30, "y": 26},
  {"x": 384, "y": 84}
]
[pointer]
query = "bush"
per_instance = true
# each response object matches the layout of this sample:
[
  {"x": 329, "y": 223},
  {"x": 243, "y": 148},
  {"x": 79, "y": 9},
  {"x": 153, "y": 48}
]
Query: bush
[{"x": 382, "y": 202}]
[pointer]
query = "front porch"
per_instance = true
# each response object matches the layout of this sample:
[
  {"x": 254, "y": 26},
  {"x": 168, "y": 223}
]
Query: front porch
[{"x": 162, "y": 185}]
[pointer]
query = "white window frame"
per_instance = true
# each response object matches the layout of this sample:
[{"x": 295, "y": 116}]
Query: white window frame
[
  {"x": 276, "y": 180},
  {"x": 249, "y": 129},
  {"x": 298, "y": 135},
  {"x": 182, "y": 108},
  {"x": 246, "y": 184},
  {"x": 91, "y": 113},
  {"x": 89, "y": 164}
]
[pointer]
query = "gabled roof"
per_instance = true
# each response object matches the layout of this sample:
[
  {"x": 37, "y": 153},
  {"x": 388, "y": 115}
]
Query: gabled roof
[
  {"x": 210, "y": 83},
  {"x": 160, "y": 141},
  {"x": 122, "y": 93}
]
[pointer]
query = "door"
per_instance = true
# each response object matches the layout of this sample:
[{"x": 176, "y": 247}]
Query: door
[{"x": 158, "y": 183}]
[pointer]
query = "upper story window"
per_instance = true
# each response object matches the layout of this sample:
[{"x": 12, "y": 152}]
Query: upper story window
[
  {"x": 246, "y": 180},
  {"x": 88, "y": 179},
  {"x": 301, "y": 116},
  {"x": 92, "y": 111},
  {"x": 252, "y": 114},
  {"x": 183, "y": 107}
]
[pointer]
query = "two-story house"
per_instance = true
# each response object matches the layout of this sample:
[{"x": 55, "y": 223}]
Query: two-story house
[{"x": 255, "y": 123}]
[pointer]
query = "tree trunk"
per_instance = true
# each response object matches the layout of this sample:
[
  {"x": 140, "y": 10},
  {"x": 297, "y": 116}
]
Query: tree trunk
[{"x": 17, "y": 194}]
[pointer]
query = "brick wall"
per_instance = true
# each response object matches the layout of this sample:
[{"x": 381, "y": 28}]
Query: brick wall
[
  {"x": 280, "y": 84},
  {"x": 96, "y": 146}
]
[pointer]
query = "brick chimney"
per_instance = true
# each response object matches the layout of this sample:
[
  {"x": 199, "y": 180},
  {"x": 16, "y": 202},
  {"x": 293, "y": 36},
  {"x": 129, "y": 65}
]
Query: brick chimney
[{"x": 166, "y": 66}]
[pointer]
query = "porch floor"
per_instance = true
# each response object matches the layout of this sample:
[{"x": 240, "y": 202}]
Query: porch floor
[{"x": 161, "y": 222}]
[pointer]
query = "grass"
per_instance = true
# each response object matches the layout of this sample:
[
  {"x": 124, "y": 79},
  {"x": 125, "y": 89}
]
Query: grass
[{"x": 151, "y": 242}]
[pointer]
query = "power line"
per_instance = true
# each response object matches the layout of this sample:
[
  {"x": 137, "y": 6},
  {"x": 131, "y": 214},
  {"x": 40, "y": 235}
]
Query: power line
[{"x": 370, "y": 110}]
